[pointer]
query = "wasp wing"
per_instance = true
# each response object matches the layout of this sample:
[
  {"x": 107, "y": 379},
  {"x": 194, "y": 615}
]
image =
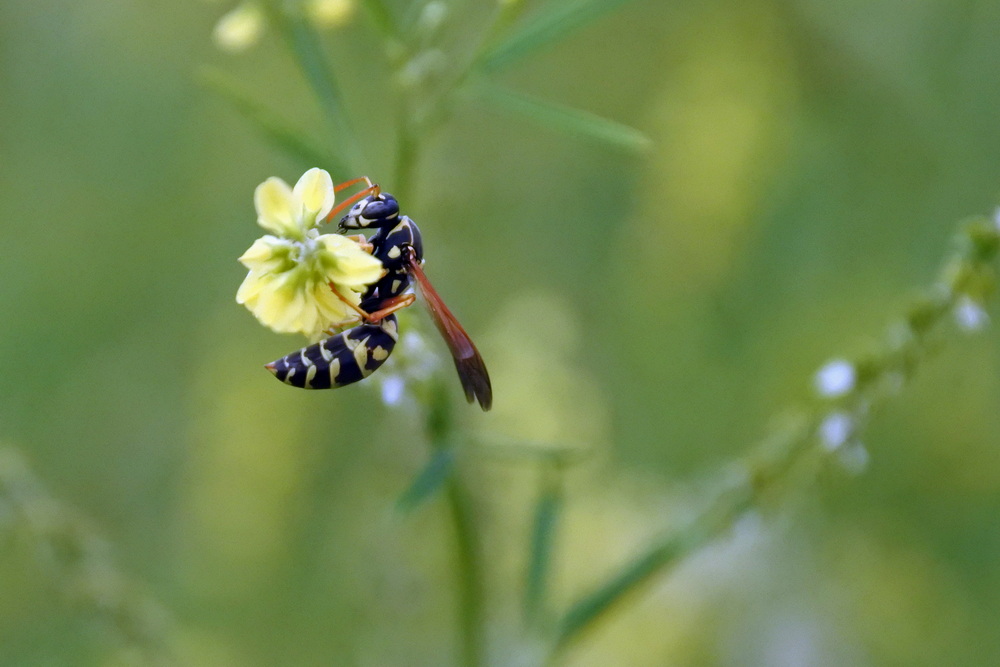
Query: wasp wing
[{"x": 468, "y": 362}]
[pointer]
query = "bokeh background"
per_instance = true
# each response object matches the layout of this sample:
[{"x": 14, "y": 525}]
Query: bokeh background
[{"x": 809, "y": 162}]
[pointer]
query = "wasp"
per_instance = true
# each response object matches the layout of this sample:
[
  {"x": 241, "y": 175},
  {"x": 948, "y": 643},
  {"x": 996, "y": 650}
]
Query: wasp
[{"x": 355, "y": 353}]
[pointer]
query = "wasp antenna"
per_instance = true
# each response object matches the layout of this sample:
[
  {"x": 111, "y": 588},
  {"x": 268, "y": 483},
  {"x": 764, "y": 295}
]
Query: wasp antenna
[
  {"x": 351, "y": 200},
  {"x": 353, "y": 181}
]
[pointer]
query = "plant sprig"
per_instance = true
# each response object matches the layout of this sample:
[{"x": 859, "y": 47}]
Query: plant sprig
[
  {"x": 791, "y": 457},
  {"x": 816, "y": 437}
]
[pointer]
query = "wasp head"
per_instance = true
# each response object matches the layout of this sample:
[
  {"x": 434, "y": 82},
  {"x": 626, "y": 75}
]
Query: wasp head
[{"x": 372, "y": 211}]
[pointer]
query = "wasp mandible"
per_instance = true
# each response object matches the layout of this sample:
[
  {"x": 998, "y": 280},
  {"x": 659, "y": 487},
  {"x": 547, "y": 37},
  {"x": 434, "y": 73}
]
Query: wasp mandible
[{"x": 356, "y": 353}]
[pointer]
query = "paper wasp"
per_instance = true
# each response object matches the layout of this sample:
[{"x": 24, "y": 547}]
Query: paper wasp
[{"x": 356, "y": 353}]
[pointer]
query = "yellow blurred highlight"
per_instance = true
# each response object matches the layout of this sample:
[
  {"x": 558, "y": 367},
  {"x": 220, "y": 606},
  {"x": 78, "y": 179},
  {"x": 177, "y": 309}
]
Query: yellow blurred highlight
[
  {"x": 203, "y": 649},
  {"x": 722, "y": 120},
  {"x": 240, "y": 28},
  {"x": 546, "y": 396},
  {"x": 606, "y": 524},
  {"x": 902, "y": 602},
  {"x": 329, "y": 14},
  {"x": 246, "y": 460}
]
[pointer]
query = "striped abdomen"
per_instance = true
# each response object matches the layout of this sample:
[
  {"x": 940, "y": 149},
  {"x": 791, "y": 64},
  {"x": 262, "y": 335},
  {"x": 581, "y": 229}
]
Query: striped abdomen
[{"x": 340, "y": 360}]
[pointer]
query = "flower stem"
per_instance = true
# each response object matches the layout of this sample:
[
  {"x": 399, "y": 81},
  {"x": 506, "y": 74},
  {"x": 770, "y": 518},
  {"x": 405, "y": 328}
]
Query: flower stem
[
  {"x": 468, "y": 556},
  {"x": 547, "y": 511},
  {"x": 468, "y": 573},
  {"x": 407, "y": 154}
]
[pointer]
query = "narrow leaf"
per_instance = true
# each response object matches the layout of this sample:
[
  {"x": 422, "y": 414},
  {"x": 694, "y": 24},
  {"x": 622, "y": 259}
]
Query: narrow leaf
[
  {"x": 654, "y": 561},
  {"x": 553, "y": 24},
  {"x": 305, "y": 46},
  {"x": 297, "y": 144},
  {"x": 433, "y": 476},
  {"x": 567, "y": 119},
  {"x": 547, "y": 512}
]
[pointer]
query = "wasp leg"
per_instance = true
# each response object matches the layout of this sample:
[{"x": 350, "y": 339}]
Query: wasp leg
[
  {"x": 337, "y": 327},
  {"x": 395, "y": 303},
  {"x": 333, "y": 288},
  {"x": 363, "y": 242}
]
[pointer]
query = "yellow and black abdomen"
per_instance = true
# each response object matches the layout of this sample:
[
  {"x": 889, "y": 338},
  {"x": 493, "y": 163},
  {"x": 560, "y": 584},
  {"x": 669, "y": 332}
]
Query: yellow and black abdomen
[{"x": 341, "y": 359}]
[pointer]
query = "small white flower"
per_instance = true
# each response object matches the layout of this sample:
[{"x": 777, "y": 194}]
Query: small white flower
[
  {"x": 836, "y": 429},
  {"x": 970, "y": 316},
  {"x": 836, "y": 378},
  {"x": 393, "y": 388},
  {"x": 432, "y": 16},
  {"x": 421, "y": 361}
]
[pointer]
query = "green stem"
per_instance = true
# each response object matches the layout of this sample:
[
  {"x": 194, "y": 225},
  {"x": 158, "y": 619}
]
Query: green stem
[
  {"x": 543, "y": 531},
  {"x": 440, "y": 424},
  {"x": 468, "y": 573},
  {"x": 437, "y": 108},
  {"x": 407, "y": 154},
  {"x": 297, "y": 144}
]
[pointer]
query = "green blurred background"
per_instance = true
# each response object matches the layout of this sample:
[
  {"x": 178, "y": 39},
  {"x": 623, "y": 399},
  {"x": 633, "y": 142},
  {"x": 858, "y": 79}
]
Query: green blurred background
[{"x": 809, "y": 162}]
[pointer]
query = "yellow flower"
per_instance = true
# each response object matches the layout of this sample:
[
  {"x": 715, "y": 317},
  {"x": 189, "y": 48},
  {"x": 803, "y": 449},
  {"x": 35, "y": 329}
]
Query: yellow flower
[{"x": 288, "y": 287}]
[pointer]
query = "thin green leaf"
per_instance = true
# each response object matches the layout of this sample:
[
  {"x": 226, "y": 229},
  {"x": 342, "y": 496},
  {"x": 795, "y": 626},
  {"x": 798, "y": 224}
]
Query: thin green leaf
[
  {"x": 553, "y": 24},
  {"x": 428, "y": 482},
  {"x": 543, "y": 531},
  {"x": 567, "y": 119},
  {"x": 305, "y": 46},
  {"x": 297, "y": 144},
  {"x": 654, "y": 561}
]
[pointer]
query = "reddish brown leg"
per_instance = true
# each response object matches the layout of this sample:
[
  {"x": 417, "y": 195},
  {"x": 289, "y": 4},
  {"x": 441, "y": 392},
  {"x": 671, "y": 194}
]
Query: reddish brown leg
[
  {"x": 363, "y": 314},
  {"x": 336, "y": 328},
  {"x": 363, "y": 242},
  {"x": 395, "y": 303}
]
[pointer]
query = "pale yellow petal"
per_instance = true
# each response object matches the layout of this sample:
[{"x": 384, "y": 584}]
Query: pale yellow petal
[
  {"x": 332, "y": 309},
  {"x": 249, "y": 289},
  {"x": 274, "y": 203},
  {"x": 314, "y": 192},
  {"x": 266, "y": 252},
  {"x": 346, "y": 263}
]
